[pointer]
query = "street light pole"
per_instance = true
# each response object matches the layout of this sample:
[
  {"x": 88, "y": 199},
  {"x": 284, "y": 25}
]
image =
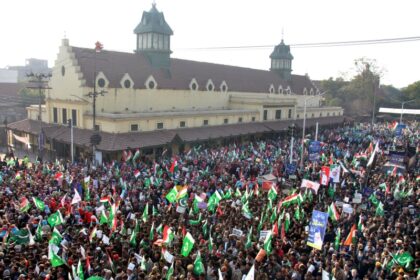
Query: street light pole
[
  {"x": 402, "y": 108},
  {"x": 304, "y": 127},
  {"x": 70, "y": 122},
  {"x": 40, "y": 79},
  {"x": 95, "y": 138}
]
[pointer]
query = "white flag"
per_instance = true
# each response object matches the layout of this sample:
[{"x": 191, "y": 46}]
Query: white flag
[
  {"x": 220, "y": 275},
  {"x": 83, "y": 252},
  {"x": 76, "y": 197},
  {"x": 251, "y": 274}
]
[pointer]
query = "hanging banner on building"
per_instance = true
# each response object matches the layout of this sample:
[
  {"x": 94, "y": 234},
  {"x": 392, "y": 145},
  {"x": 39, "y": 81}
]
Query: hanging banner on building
[
  {"x": 24, "y": 140},
  {"x": 317, "y": 227},
  {"x": 313, "y": 150}
]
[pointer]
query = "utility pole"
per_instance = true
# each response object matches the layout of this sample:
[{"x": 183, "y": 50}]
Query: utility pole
[
  {"x": 402, "y": 107},
  {"x": 304, "y": 127},
  {"x": 70, "y": 123},
  {"x": 292, "y": 139},
  {"x": 40, "y": 79},
  {"x": 95, "y": 139}
]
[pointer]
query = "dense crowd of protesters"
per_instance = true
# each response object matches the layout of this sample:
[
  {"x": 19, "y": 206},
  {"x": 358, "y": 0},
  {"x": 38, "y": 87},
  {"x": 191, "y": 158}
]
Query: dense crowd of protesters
[{"x": 134, "y": 218}]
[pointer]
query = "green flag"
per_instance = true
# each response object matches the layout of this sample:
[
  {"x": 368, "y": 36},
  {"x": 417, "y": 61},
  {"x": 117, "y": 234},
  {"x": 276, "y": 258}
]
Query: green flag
[
  {"x": 152, "y": 232},
  {"x": 187, "y": 244},
  {"x": 373, "y": 199},
  {"x": 38, "y": 233},
  {"x": 337, "y": 239},
  {"x": 104, "y": 218},
  {"x": 287, "y": 223},
  {"x": 55, "y": 219},
  {"x": 198, "y": 265},
  {"x": 268, "y": 247},
  {"x": 379, "y": 209},
  {"x": 238, "y": 193},
  {"x": 297, "y": 213},
  {"x": 228, "y": 194},
  {"x": 56, "y": 237},
  {"x": 39, "y": 203},
  {"x": 154, "y": 211},
  {"x": 145, "y": 215},
  {"x": 171, "y": 196},
  {"x": 80, "y": 273},
  {"x": 272, "y": 194},
  {"x": 245, "y": 211},
  {"x": 248, "y": 243},
  {"x": 205, "y": 229},
  {"x": 213, "y": 201},
  {"x": 170, "y": 272},
  {"x": 133, "y": 237},
  {"x": 404, "y": 259},
  {"x": 210, "y": 242},
  {"x": 55, "y": 260},
  {"x": 20, "y": 237}
]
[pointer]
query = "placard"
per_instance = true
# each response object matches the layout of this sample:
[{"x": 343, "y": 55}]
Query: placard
[
  {"x": 317, "y": 227},
  {"x": 339, "y": 203},
  {"x": 180, "y": 209},
  {"x": 237, "y": 232},
  {"x": 347, "y": 208},
  {"x": 263, "y": 234}
]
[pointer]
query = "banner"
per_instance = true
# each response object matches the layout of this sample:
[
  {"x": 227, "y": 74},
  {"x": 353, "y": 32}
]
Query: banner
[
  {"x": 290, "y": 168},
  {"x": 24, "y": 140},
  {"x": 313, "y": 150},
  {"x": 335, "y": 173},
  {"x": 317, "y": 227},
  {"x": 310, "y": 185},
  {"x": 399, "y": 129}
]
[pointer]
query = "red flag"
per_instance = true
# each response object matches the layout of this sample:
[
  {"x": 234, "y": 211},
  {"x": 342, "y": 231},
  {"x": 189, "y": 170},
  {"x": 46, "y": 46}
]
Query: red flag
[
  {"x": 266, "y": 185},
  {"x": 219, "y": 211},
  {"x": 260, "y": 256},
  {"x": 275, "y": 229},
  {"x": 184, "y": 231}
]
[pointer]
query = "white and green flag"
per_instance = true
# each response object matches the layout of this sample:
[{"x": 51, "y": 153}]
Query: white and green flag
[{"x": 187, "y": 244}]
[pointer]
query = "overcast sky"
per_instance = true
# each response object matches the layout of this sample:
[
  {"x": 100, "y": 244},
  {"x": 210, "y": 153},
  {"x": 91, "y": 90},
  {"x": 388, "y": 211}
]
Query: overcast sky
[{"x": 35, "y": 29}]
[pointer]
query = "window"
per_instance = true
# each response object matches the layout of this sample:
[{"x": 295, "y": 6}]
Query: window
[
  {"x": 278, "y": 114},
  {"x": 63, "y": 70},
  {"x": 97, "y": 127},
  {"x": 290, "y": 114},
  {"x": 328, "y": 114},
  {"x": 194, "y": 86},
  {"x": 240, "y": 120},
  {"x": 182, "y": 124},
  {"x": 313, "y": 115},
  {"x": 253, "y": 119},
  {"x": 206, "y": 122},
  {"x": 127, "y": 83},
  {"x": 55, "y": 115},
  {"x": 159, "y": 125},
  {"x": 265, "y": 115},
  {"x": 64, "y": 114},
  {"x": 320, "y": 114},
  {"x": 151, "y": 85},
  {"x": 333, "y": 113},
  {"x": 101, "y": 82},
  {"x": 74, "y": 117},
  {"x": 226, "y": 121},
  {"x": 297, "y": 116},
  {"x": 134, "y": 127}
]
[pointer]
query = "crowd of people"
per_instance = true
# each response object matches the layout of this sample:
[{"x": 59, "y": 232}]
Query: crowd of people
[{"x": 231, "y": 212}]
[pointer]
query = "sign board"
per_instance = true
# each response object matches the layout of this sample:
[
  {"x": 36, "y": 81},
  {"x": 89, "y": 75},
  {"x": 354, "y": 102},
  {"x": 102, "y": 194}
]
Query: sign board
[{"x": 339, "y": 203}]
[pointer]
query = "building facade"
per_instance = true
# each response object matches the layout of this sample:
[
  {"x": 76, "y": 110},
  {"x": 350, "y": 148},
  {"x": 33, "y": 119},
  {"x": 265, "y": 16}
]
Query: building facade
[{"x": 149, "y": 93}]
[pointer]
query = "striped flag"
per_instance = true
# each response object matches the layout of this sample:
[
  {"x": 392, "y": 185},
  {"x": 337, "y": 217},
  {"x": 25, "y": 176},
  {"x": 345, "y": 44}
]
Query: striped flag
[
  {"x": 333, "y": 213},
  {"x": 351, "y": 237}
]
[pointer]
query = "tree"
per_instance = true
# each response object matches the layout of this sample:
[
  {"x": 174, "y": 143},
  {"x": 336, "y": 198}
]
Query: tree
[{"x": 412, "y": 91}]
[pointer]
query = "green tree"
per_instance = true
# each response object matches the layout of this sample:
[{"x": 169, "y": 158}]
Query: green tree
[{"x": 412, "y": 91}]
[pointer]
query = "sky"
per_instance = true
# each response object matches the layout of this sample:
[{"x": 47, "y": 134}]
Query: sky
[{"x": 34, "y": 29}]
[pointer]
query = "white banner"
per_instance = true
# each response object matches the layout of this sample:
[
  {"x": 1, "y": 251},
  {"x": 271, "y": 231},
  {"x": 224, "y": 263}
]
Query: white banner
[
  {"x": 335, "y": 173},
  {"x": 310, "y": 185},
  {"x": 24, "y": 140}
]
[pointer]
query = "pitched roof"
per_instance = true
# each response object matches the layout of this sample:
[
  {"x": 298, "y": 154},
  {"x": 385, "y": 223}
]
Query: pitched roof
[{"x": 180, "y": 73}]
